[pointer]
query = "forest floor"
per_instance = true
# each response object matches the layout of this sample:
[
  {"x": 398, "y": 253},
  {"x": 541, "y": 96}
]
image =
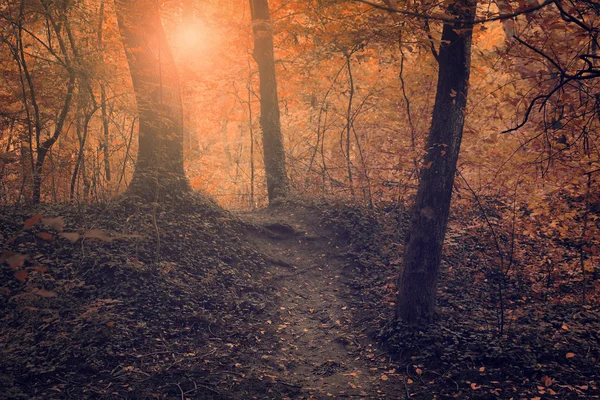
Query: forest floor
[
  {"x": 318, "y": 349},
  {"x": 188, "y": 301}
]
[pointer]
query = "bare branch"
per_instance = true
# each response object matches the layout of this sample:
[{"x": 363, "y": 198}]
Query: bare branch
[{"x": 443, "y": 18}]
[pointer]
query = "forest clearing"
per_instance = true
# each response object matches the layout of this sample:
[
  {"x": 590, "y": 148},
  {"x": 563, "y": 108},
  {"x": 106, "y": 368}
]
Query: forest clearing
[{"x": 267, "y": 199}]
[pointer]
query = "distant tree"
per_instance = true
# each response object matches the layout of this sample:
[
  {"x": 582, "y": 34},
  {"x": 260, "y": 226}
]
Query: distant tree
[
  {"x": 56, "y": 17},
  {"x": 274, "y": 155},
  {"x": 159, "y": 168},
  {"x": 425, "y": 237}
]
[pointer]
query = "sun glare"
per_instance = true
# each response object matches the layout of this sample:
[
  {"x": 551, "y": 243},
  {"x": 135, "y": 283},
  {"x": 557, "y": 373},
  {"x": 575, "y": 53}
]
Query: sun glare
[{"x": 191, "y": 37}]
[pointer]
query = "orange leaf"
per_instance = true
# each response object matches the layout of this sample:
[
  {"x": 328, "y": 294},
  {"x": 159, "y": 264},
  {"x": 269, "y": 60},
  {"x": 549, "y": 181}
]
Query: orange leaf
[
  {"x": 546, "y": 380},
  {"x": 44, "y": 293},
  {"x": 384, "y": 378},
  {"x": 97, "y": 234},
  {"x": 70, "y": 236},
  {"x": 570, "y": 355},
  {"x": 45, "y": 236},
  {"x": 15, "y": 260},
  {"x": 21, "y": 275},
  {"x": 475, "y": 386},
  {"x": 55, "y": 223},
  {"x": 33, "y": 220},
  {"x": 6, "y": 254}
]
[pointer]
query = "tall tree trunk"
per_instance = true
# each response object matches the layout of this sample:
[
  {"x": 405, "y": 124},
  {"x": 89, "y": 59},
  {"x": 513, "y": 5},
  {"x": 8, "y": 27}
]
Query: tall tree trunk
[
  {"x": 425, "y": 238},
  {"x": 159, "y": 168},
  {"x": 274, "y": 155},
  {"x": 349, "y": 123}
]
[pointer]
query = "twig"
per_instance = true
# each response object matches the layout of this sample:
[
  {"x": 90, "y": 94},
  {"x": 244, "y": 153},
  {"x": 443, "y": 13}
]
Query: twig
[
  {"x": 180, "y": 390},
  {"x": 289, "y": 384},
  {"x": 209, "y": 389},
  {"x": 157, "y": 255}
]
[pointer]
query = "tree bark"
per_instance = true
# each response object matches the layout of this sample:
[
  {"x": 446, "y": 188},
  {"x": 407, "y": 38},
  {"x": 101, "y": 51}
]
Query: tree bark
[
  {"x": 274, "y": 155},
  {"x": 159, "y": 168},
  {"x": 425, "y": 238}
]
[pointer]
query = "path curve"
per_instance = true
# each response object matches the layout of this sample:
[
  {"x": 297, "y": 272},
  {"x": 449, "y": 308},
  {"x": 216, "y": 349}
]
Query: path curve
[{"x": 320, "y": 352}]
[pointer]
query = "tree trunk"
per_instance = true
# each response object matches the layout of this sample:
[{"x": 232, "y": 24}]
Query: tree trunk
[
  {"x": 274, "y": 155},
  {"x": 425, "y": 238},
  {"x": 105, "y": 121},
  {"x": 159, "y": 168}
]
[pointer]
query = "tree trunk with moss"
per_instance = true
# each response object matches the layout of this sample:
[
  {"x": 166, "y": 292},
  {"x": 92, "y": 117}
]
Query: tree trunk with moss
[
  {"x": 159, "y": 168},
  {"x": 417, "y": 284}
]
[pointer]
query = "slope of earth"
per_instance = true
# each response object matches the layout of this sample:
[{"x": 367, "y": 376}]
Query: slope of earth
[
  {"x": 185, "y": 300},
  {"x": 180, "y": 300},
  {"x": 127, "y": 300},
  {"x": 495, "y": 336}
]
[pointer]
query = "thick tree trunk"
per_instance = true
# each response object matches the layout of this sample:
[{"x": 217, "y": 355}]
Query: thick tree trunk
[
  {"x": 425, "y": 238},
  {"x": 159, "y": 168},
  {"x": 277, "y": 180}
]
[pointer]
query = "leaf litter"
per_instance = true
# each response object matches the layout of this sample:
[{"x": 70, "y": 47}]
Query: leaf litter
[{"x": 289, "y": 302}]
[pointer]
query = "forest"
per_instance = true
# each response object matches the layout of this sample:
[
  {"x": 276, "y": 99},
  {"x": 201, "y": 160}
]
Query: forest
[{"x": 300, "y": 199}]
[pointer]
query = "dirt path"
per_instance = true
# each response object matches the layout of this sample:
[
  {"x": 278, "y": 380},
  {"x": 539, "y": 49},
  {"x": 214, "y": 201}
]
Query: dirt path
[{"x": 318, "y": 351}]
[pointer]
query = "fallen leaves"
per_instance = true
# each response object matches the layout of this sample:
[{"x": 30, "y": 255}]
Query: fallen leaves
[
  {"x": 97, "y": 234},
  {"x": 44, "y": 293},
  {"x": 13, "y": 259},
  {"x": 70, "y": 236},
  {"x": 21, "y": 275},
  {"x": 547, "y": 381},
  {"x": 32, "y": 221},
  {"x": 58, "y": 224},
  {"x": 45, "y": 236}
]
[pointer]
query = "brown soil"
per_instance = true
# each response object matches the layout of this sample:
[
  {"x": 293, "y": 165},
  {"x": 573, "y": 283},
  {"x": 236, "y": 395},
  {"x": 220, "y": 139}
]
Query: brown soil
[{"x": 318, "y": 350}]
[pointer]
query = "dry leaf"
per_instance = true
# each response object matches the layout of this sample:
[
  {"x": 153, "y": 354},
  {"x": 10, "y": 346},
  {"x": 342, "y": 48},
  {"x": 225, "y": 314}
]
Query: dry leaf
[
  {"x": 70, "y": 236},
  {"x": 45, "y": 236},
  {"x": 32, "y": 221},
  {"x": 546, "y": 380},
  {"x": 475, "y": 386},
  {"x": 419, "y": 371},
  {"x": 97, "y": 234},
  {"x": 57, "y": 224},
  {"x": 45, "y": 293},
  {"x": 15, "y": 260},
  {"x": 384, "y": 377},
  {"x": 21, "y": 275},
  {"x": 570, "y": 355}
]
